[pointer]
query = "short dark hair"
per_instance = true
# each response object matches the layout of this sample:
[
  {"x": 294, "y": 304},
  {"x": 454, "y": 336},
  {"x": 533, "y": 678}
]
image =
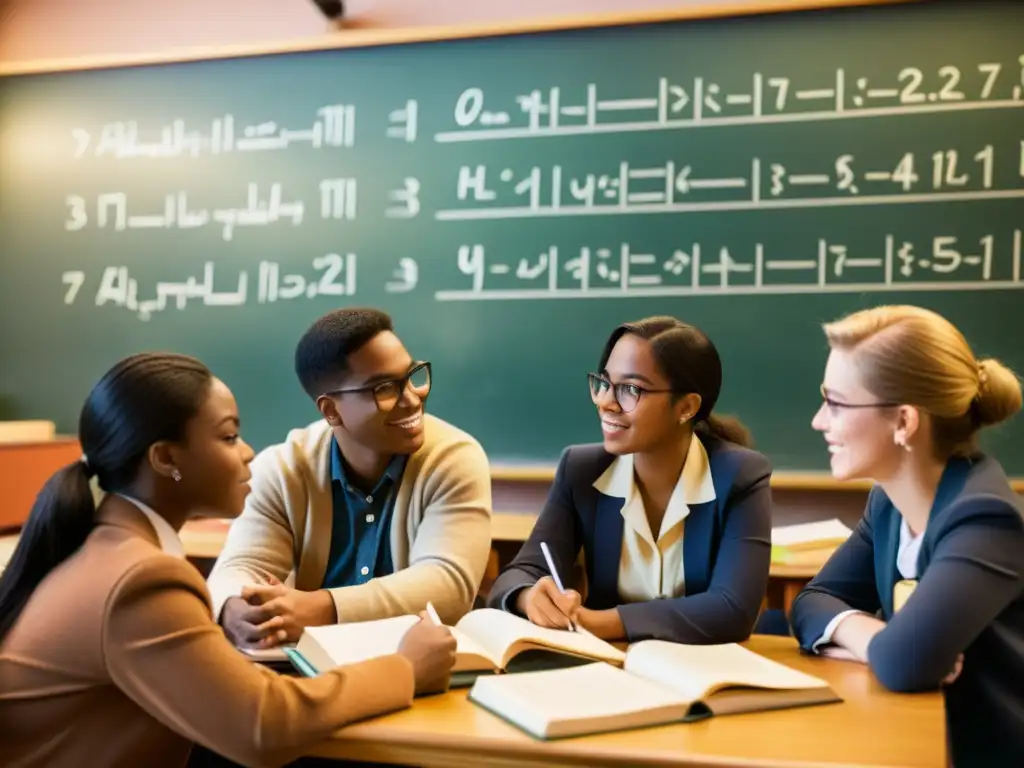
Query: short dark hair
[
  {"x": 142, "y": 400},
  {"x": 321, "y": 357},
  {"x": 690, "y": 362}
]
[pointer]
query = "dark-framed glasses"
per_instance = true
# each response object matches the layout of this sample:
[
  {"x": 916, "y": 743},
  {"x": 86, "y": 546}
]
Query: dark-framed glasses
[
  {"x": 386, "y": 394},
  {"x": 625, "y": 394},
  {"x": 838, "y": 405}
]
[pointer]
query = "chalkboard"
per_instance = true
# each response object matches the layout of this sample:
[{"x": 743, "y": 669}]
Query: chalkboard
[{"x": 510, "y": 199}]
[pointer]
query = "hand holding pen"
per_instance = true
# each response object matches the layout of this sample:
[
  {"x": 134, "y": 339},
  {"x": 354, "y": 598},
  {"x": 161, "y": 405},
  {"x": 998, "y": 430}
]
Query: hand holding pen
[{"x": 547, "y": 603}]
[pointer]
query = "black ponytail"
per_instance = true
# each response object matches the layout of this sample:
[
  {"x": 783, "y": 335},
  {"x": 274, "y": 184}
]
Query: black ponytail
[
  {"x": 61, "y": 518},
  {"x": 143, "y": 399}
]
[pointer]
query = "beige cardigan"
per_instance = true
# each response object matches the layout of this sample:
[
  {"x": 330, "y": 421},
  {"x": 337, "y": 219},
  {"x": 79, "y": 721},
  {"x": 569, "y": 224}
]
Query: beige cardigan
[{"x": 440, "y": 528}]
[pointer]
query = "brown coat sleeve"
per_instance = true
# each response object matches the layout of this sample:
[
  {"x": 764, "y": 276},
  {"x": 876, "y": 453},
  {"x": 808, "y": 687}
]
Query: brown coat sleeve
[{"x": 164, "y": 651}]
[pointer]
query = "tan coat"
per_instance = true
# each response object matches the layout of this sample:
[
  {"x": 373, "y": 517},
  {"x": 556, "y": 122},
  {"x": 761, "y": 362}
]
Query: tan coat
[
  {"x": 440, "y": 527},
  {"x": 117, "y": 662}
]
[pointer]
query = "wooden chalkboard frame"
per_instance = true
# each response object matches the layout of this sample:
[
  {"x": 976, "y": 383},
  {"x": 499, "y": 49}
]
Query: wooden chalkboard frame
[
  {"x": 364, "y": 38},
  {"x": 343, "y": 38}
]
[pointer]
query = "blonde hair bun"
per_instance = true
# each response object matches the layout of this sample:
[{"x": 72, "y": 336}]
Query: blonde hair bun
[{"x": 999, "y": 392}]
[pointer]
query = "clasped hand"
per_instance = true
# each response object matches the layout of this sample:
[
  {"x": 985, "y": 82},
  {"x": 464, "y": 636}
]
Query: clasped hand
[{"x": 267, "y": 615}]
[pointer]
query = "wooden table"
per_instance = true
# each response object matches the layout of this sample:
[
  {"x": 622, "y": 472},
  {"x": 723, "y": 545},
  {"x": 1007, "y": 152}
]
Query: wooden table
[{"x": 872, "y": 727}]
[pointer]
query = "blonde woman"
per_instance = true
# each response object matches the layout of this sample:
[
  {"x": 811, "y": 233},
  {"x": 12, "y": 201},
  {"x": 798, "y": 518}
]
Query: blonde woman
[{"x": 929, "y": 589}]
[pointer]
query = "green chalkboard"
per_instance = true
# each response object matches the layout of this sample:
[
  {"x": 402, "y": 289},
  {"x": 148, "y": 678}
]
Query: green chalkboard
[{"x": 510, "y": 199}]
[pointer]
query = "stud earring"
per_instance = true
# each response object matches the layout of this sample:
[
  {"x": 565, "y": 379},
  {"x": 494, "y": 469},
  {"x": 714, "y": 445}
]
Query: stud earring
[
  {"x": 901, "y": 443},
  {"x": 176, "y": 475}
]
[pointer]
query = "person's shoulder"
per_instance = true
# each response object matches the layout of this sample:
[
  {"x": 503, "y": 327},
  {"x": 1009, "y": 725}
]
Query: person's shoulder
[
  {"x": 146, "y": 570},
  {"x": 986, "y": 495},
  {"x": 733, "y": 464},
  {"x": 583, "y": 463},
  {"x": 302, "y": 447}
]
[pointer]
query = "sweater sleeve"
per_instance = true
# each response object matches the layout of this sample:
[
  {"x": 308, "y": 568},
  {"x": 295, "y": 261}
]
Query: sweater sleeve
[{"x": 260, "y": 543}]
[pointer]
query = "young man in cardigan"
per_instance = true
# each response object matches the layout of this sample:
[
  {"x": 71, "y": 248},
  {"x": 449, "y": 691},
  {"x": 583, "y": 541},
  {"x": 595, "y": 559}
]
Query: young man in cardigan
[{"x": 370, "y": 512}]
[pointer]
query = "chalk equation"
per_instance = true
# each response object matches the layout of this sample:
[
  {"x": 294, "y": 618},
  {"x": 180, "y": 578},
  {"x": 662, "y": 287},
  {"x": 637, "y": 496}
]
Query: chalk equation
[
  {"x": 943, "y": 262},
  {"x": 333, "y": 275},
  {"x": 334, "y": 126},
  {"x": 672, "y": 102},
  {"x": 680, "y": 186},
  {"x": 337, "y": 198}
]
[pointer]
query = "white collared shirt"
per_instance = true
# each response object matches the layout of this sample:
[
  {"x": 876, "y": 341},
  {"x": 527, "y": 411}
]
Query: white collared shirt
[
  {"x": 649, "y": 567},
  {"x": 169, "y": 540},
  {"x": 906, "y": 564}
]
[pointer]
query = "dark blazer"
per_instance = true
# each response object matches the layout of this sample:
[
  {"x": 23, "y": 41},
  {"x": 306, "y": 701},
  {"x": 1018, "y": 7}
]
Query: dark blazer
[
  {"x": 726, "y": 547},
  {"x": 969, "y": 599}
]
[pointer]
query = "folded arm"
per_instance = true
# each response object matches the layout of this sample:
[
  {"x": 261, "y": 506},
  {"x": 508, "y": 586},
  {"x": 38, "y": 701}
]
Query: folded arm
[
  {"x": 165, "y": 653},
  {"x": 844, "y": 586},
  {"x": 728, "y": 610},
  {"x": 977, "y": 569}
]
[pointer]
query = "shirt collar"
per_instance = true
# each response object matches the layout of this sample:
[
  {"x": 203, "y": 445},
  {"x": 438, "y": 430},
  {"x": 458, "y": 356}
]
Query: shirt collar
[
  {"x": 695, "y": 486},
  {"x": 169, "y": 540},
  {"x": 392, "y": 473}
]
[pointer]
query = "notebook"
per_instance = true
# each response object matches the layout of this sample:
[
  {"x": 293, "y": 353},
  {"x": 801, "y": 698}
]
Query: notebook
[
  {"x": 489, "y": 642},
  {"x": 660, "y": 683},
  {"x": 788, "y": 540}
]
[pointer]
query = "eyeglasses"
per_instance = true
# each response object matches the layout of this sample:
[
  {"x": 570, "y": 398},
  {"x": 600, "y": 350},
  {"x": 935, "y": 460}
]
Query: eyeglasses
[
  {"x": 836, "y": 405},
  {"x": 386, "y": 394},
  {"x": 626, "y": 395}
]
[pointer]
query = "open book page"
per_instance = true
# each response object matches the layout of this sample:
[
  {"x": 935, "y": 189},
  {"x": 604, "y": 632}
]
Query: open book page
[
  {"x": 337, "y": 644},
  {"x": 503, "y": 635},
  {"x": 586, "y": 699},
  {"x": 696, "y": 672}
]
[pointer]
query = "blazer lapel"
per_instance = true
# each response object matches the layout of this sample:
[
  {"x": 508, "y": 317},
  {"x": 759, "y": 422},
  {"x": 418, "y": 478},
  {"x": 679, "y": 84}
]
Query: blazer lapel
[
  {"x": 885, "y": 562},
  {"x": 607, "y": 548},
  {"x": 698, "y": 547}
]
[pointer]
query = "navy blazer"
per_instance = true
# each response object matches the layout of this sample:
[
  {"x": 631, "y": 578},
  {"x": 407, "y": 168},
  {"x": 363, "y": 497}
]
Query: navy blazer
[
  {"x": 726, "y": 547},
  {"x": 969, "y": 599}
]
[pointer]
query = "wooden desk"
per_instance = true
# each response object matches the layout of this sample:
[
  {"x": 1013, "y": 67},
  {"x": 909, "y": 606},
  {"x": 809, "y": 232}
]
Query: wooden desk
[{"x": 872, "y": 727}]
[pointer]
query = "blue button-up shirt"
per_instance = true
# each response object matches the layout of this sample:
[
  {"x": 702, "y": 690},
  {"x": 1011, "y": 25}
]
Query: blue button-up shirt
[{"x": 361, "y": 527}]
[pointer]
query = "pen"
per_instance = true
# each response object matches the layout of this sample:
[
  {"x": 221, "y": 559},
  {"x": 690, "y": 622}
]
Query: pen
[
  {"x": 554, "y": 576},
  {"x": 433, "y": 614}
]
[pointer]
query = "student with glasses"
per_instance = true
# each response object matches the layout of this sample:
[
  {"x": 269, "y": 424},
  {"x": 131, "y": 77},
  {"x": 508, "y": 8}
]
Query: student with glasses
[
  {"x": 672, "y": 511},
  {"x": 369, "y": 513},
  {"x": 929, "y": 589}
]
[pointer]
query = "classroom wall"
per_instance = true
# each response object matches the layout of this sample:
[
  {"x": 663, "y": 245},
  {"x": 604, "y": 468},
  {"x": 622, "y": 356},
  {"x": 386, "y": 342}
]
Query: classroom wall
[{"x": 40, "y": 29}]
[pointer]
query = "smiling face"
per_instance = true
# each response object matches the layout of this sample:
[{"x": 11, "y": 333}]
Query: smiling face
[
  {"x": 648, "y": 414},
  {"x": 395, "y": 426},
  {"x": 864, "y": 436}
]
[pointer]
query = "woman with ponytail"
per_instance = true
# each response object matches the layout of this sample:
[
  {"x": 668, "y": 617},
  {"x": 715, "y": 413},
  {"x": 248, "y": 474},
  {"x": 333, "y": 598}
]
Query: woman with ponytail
[
  {"x": 929, "y": 589},
  {"x": 109, "y": 655},
  {"x": 672, "y": 510}
]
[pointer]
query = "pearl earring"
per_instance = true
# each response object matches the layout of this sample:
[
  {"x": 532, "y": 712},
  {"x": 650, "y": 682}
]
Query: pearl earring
[{"x": 176, "y": 475}]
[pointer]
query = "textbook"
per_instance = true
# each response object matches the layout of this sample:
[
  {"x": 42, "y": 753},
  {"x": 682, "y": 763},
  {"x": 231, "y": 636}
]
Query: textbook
[
  {"x": 489, "y": 642},
  {"x": 789, "y": 540},
  {"x": 659, "y": 683}
]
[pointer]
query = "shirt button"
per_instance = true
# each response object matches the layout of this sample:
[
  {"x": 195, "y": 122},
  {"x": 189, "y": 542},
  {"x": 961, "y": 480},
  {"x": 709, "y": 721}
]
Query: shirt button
[
  {"x": 364, "y": 570},
  {"x": 370, "y": 518},
  {"x": 369, "y": 499}
]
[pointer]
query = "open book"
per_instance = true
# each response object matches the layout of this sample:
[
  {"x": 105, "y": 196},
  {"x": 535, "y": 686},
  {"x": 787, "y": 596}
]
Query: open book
[
  {"x": 489, "y": 641},
  {"x": 659, "y": 683}
]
